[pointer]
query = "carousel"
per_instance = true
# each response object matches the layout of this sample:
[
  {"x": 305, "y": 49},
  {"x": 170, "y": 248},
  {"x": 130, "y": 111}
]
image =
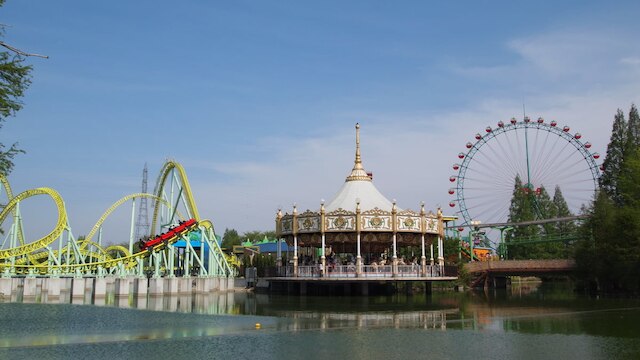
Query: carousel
[{"x": 361, "y": 234}]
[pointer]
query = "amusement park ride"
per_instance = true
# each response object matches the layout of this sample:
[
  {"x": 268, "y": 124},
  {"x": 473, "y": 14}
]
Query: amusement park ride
[
  {"x": 60, "y": 253},
  {"x": 543, "y": 154}
]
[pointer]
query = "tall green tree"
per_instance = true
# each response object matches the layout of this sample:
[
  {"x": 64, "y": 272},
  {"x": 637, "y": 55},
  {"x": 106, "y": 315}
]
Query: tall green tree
[
  {"x": 522, "y": 208},
  {"x": 608, "y": 255},
  {"x": 633, "y": 132},
  {"x": 230, "y": 238},
  {"x": 562, "y": 210},
  {"x": 613, "y": 160},
  {"x": 15, "y": 77}
]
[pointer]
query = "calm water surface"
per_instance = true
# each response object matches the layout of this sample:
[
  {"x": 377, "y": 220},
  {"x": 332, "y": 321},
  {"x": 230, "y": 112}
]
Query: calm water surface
[{"x": 526, "y": 322}]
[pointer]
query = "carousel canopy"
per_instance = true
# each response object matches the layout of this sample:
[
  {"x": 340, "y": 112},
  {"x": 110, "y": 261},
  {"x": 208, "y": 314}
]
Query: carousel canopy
[{"x": 358, "y": 187}]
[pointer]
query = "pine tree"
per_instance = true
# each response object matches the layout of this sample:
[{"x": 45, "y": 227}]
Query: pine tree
[
  {"x": 563, "y": 229},
  {"x": 612, "y": 259},
  {"x": 633, "y": 131},
  {"x": 562, "y": 210},
  {"x": 522, "y": 208},
  {"x": 615, "y": 155}
]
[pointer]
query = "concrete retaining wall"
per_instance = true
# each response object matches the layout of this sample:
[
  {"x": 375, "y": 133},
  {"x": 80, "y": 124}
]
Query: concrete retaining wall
[{"x": 79, "y": 290}]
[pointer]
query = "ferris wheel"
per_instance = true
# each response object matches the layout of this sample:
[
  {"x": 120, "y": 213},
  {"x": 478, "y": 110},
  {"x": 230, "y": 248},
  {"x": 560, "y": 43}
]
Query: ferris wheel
[{"x": 542, "y": 155}]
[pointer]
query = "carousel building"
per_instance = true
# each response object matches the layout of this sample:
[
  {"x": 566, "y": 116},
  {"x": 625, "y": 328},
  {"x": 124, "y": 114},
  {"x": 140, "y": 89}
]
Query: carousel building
[{"x": 361, "y": 234}]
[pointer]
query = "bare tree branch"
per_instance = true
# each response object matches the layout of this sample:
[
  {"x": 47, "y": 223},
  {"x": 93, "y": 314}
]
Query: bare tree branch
[{"x": 20, "y": 52}]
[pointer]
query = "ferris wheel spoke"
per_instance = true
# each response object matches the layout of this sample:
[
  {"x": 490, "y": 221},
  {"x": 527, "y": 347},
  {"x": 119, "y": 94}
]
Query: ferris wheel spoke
[
  {"x": 554, "y": 163},
  {"x": 497, "y": 194},
  {"x": 543, "y": 154},
  {"x": 550, "y": 155},
  {"x": 541, "y": 150},
  {"x": 563, "y": 173},
  {"x": 504, "y": 157},
  {"x": 513, "y": 161},
  {"x": 569, "y": 173},
  {"x": 521, "y": 149},
  {"x": 489, "y": 173},
  {"x": 494, "y": 174},
  {"x": 492, "y": 183}
]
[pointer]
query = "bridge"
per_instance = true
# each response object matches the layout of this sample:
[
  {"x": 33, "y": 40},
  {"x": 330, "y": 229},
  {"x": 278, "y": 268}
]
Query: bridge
[{"x": 495, "y": 273}]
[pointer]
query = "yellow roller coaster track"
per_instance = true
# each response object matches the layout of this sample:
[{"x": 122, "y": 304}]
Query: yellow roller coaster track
[
  {"x": 162, "y": 178},
  {"x": 47, "y": 239},
  {"x": 105, "y": 260},
  {"x": 39, "y": 256}
]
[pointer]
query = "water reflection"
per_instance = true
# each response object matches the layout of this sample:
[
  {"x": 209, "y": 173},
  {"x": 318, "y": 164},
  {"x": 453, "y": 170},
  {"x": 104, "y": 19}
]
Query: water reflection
[{"x": 528, "y": 308}]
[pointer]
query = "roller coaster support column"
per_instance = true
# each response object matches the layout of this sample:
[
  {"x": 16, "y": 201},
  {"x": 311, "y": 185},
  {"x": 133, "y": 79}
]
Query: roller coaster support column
[
  {"x": 194, "y": 256},
  {"x": 133, "y": 225},
  {"x": 187, "y": 261},
  {"x": 203, "y": 269},
  {"x": 216, "y": 252},
  {"x": 171, "y": 255}
]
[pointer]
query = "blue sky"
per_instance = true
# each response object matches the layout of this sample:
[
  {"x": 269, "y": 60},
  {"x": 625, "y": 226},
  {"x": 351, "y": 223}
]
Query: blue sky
[{"x": 258, "y": 99}]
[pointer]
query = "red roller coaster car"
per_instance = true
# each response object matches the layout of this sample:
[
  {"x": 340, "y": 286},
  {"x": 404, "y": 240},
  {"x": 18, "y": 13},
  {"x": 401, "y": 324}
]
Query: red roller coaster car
[{"x": 173, "y": 233}]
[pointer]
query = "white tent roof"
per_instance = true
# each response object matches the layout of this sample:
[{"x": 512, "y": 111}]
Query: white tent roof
[{"x": 358, "y": 188}]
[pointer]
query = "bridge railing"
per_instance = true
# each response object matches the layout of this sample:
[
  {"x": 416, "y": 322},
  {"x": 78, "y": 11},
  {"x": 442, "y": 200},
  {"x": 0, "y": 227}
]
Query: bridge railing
[{"x": 521, "y": 265}]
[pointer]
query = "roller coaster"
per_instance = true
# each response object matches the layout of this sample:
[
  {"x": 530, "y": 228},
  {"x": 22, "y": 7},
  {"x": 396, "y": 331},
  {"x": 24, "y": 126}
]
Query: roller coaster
[{"x": 60, "y": 253}]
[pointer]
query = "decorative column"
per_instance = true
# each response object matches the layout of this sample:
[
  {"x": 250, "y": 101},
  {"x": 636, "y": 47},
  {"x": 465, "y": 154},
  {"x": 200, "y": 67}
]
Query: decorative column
[
  {"x": 295, "y": 241},
  {"x": 394, "y": 227},
  {"x": 358, "y": 256},
  {"x": 323, "y": 258},
  {"x": 431, "y": 260},
  {"x": 278, "y": 236},
  {"x": 440, "y": 240},
  {"x": 423, "y": 227}
]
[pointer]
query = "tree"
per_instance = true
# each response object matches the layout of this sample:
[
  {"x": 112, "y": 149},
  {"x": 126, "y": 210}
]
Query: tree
[
  {"x": 14, "y": 80},
  {"x": 230, "y": 238},
  {"x": 562, "y": 210},
  {"x": 608, "y": 255},
  {"x": 615, "y": 154},
  {"x": 257, "y": 235},
  {"x": 522, "y": 208},
  {"x": 633, "y": 131}
]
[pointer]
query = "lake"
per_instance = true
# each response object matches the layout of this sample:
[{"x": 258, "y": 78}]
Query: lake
[{"x": 525, "y": 322}]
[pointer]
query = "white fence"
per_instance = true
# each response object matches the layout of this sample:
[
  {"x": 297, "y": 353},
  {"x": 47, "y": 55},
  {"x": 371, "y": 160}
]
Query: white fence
[{"x": 368, "y": 271}]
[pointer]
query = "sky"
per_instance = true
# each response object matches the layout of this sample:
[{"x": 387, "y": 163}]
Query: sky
[{"x": 258, "y": 100}]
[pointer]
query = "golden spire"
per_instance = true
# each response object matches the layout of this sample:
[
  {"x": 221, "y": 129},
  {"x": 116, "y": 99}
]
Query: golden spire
[{"x": 358, "y": 172}]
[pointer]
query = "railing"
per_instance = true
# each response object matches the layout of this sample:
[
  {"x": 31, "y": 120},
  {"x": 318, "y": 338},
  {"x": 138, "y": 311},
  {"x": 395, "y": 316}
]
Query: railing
[
  {"x": 341, "y": 271},
  {"x": 409, "y": 270},
  {"x": 368, "y": 271},
  {"x": 377, "y": 271},
  {"x": 308, "y": 271}
]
